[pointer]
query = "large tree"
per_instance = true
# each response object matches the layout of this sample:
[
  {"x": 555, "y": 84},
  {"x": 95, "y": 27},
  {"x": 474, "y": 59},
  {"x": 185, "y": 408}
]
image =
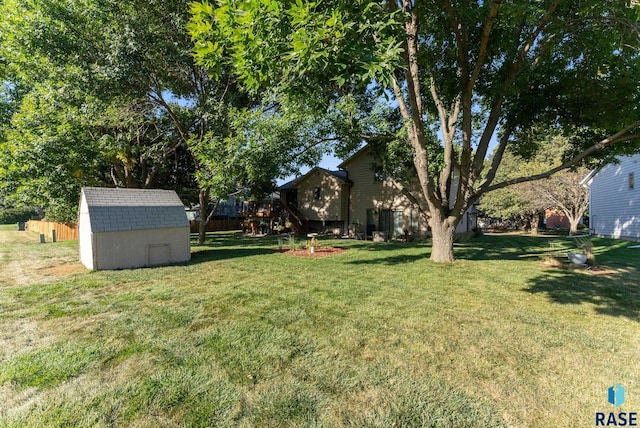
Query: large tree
[
  {"x": 461, "y": 74},
  {"x": 127, "y": 89},
  {"x": 93, "y": 77},
  {"x": 141, "y": 104}
]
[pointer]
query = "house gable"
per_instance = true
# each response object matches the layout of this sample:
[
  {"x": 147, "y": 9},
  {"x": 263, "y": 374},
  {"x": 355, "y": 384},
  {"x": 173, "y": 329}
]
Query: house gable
[
  {"x": 379, "y": 202},
  {"x": 321, "y": 195}
]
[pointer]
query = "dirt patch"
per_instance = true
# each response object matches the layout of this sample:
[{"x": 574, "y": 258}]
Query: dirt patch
[
  {"x": 318, "y": 253},
  {"x": 593, "y": 270},
  {"x": 27, "y": 272},
  {"x": 65, "y": 269}
]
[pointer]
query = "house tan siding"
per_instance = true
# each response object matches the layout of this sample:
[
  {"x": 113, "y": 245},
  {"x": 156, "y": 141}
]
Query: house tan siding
[
  {"x": 377, "y": 196},
  {"x": 331, "y": 205}
]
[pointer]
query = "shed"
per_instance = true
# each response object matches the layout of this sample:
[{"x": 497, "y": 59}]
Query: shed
[{"x": 130, "y": 228}]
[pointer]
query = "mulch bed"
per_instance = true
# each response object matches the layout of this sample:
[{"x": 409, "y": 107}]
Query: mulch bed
[{"x": 319, "y": 252}]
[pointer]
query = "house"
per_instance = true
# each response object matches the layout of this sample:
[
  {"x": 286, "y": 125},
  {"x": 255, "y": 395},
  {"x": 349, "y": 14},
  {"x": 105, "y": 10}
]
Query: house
[
  {"x": 318, "y": 200},
  {"x": 614, "y": 199},
  {"x": 357, "y": 200},
  {"x": 130, "y": 228},
  {"x": 556, "y": 219}
]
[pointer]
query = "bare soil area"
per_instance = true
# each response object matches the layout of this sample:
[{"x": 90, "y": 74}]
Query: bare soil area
[{"x": 318, "y": 253}]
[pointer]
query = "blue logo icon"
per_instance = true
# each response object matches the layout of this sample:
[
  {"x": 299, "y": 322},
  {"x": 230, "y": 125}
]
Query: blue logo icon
[{"x": 616, "y": 395}]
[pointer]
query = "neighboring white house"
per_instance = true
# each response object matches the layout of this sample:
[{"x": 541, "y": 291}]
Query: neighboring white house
[
  {"x": 130, "y": 228},
  {"x": 614, "y": 199}
]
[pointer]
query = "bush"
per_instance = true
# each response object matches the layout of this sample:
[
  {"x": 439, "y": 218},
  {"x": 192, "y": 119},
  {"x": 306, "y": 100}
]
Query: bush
[
  {"x": 14, "y": 215},
  {"x": 477, "y": 232}
]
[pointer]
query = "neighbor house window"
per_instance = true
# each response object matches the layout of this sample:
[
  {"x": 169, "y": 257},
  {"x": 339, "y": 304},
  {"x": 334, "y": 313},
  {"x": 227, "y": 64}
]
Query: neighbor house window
[
  {"x": 631, "y": 180},
  {"x": 316, "y": 193}
]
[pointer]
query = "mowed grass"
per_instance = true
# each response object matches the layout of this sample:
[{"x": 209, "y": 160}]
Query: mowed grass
[{"x": 378, "y": 336}]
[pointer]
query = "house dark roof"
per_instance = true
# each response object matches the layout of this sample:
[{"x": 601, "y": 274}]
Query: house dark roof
[
  {"x": 341, "y": 175},
  {"x": 113, "y": 210}
]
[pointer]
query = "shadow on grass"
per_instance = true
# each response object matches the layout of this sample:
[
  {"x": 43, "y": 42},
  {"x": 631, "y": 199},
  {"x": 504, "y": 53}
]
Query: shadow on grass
[
  {"x": 508, "y": 247},
  {"x": 232, "y": 238},
  {"x": 614, "y": 294},
  {"x": 391, "y": 260},
  {"x": 225, "y": 254}
]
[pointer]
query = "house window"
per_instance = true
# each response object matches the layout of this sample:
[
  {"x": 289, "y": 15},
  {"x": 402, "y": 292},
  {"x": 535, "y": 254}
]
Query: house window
[
  {"x": 316, "y": 193},
  {"x": 378, "y": 174},
  {"x": 631, "y": 180}
]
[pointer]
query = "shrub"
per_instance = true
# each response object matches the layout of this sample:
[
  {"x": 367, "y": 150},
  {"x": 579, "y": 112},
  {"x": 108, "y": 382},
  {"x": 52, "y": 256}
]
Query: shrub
[
  {"x": 14, "y": 215},
  {"x": 477, "y": 232}
]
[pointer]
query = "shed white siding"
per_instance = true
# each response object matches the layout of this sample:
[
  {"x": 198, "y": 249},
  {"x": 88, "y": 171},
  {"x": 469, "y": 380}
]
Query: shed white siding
[
  {"x": 614, "y": 199},
  {"x": 129, "y": 228}
]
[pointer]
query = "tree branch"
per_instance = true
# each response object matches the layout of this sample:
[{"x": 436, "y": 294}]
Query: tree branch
[
  {"x": 624, "y": 134},
  {"x": 484, "y": 42}
]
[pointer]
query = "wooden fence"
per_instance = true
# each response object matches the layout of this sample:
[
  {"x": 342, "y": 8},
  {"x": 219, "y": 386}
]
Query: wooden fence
[
  {"x": 64, "y": 231},
  {"x": 69, "y": 231},
  {"x": 216, "y": 225}
]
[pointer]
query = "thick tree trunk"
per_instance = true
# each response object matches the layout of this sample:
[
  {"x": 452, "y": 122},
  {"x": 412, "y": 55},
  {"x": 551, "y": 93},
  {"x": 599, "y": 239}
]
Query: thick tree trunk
[
  {"x": 535, "y": 222},
  {"x": 573, "y": 225},
  {"x": 442, "y": 233}
]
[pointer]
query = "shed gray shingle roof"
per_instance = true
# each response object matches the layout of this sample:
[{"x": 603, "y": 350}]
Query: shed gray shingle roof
[{"x": 113, "y": 210}]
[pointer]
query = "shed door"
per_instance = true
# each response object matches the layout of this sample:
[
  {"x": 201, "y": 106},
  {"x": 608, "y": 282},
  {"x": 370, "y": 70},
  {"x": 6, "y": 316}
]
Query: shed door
[{"x": 158, "y": 254}]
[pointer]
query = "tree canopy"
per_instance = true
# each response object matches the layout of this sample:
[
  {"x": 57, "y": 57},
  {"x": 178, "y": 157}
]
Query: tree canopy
[
  {"x": 108, "y": 93},
  {"x": 461, "y": 75}
]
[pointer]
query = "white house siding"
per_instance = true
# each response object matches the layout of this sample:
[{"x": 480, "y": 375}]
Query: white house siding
[{"x": 614, "y": 207}]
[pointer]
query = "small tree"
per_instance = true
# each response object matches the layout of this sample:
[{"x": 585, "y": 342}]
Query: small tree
[
  {"x": 565, "y": 192},
  {"x": 561, "y": 191}
]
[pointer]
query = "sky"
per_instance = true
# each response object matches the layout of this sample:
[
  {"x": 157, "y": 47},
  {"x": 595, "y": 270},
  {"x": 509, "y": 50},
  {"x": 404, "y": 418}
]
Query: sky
[{"x": 329, "y": 162}]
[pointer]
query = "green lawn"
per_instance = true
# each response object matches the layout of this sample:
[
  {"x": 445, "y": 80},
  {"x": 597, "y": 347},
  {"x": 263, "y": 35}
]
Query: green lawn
[{"x": 378, "y": 336}]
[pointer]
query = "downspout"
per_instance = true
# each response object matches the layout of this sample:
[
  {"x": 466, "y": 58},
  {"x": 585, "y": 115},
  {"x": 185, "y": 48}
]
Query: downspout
[
  {"x": 346, "y": 226},
  {"x": 586, "y": 183}
]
